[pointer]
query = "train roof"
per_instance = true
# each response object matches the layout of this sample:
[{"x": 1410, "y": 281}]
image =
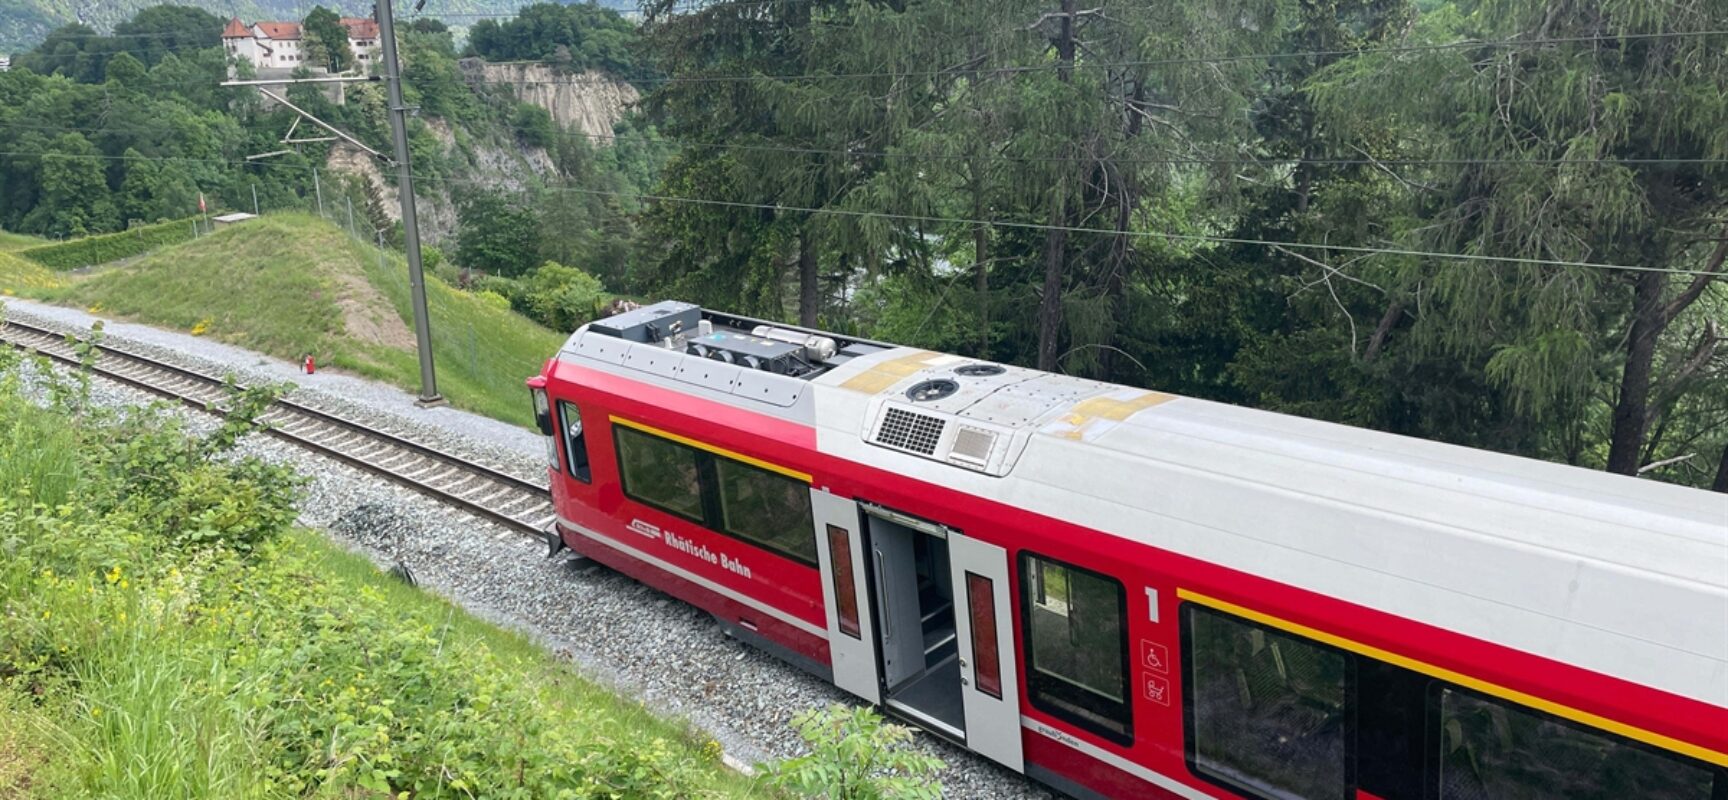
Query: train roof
[{"x": 1623, "y": 576}]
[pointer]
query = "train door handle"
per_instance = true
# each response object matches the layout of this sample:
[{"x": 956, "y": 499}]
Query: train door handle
[{"x": 882, "y": 592}]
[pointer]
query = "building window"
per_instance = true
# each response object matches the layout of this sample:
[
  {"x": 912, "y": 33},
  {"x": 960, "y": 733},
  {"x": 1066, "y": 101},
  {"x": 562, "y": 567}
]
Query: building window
[
  {"x": 767, "y": 509},
  {"x": 725, "y": 495},
  {"x": 1265, "y": 710},
  {"x": 1077, "y": 646},
  {"x": 1489, "y": 749},
  {"x": 575, "y": 442}
]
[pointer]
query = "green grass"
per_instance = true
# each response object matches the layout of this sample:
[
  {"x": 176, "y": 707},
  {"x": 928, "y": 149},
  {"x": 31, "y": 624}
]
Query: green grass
[
  {"x": 482, "y": 353},
  {"x": 26, "y": 278},
  {"x": 159, "y": 709},
  {"x": 273, "y": 285},
  {"x": 18, "y": 241},
  {"x": 269, "y": 288},
  {"x": 159, "y": 644}
]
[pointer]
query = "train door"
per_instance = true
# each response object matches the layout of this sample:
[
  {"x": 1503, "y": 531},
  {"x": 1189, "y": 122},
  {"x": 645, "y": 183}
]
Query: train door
[
  {"x": 851, "y": 633},
  {"x": 941, "y": 608}
]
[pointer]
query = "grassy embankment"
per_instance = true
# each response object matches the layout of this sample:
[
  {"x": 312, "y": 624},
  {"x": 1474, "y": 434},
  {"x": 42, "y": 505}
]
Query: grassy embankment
[
  {"x": 18, "y": 241},
  {"x": 20, "y": 276},
  {"x": 292, "y": 284},
  {"x": 165, "y": 635},
  {"x": 24, "y": 278}
]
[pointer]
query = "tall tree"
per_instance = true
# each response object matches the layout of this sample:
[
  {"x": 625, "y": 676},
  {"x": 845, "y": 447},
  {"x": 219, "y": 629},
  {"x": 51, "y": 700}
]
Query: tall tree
[
  {"x": 1564, "y": 144},
  {"x": 1056, "y": 237},
  {"x": 496, "y": 235},
  {"x": 327, "y": 40},
  {"x": 156, "y": 31}
]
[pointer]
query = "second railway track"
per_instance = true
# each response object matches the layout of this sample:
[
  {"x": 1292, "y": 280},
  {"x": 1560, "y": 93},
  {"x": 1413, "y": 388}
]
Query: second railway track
[{"x": 518, "y": 504}]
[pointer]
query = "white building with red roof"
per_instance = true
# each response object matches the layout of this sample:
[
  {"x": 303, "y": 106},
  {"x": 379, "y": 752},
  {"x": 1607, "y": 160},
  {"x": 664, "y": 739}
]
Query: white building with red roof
[{"x": 280, "y": 45}]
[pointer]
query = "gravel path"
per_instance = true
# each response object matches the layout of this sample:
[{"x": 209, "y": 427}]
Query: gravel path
[{"x": 618, "y": 632}]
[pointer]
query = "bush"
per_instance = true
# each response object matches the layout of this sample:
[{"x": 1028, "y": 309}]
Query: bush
[
  {"x": 166, "y": 635},
  {"x": 92, "y": 250},
  {"x": 561, "y": 298},
  {"x": 494, "y": 300},
  {"x": 855, "y": 756},
  {"x": 535, "y": 126}
]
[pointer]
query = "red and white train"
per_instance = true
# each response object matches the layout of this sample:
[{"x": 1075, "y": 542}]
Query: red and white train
[{"x": 1122, "y": 593}]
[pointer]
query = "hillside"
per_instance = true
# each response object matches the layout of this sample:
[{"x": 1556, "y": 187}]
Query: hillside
[
  {"x": 292, "y": 284},
  {"x": 20, "y": 276},
  {"x": 18, "y": 241},
  {"x": 169, "y": 634},
  {"x": 24, "y": 23}
]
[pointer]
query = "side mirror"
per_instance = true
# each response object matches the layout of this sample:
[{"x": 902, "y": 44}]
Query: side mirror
[{"x": 542, "y": 405}]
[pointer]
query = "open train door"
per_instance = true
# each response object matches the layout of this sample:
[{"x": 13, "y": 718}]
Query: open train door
[
  {"x": 989, "y": 682},
  {"x": 840, "y": 552}
]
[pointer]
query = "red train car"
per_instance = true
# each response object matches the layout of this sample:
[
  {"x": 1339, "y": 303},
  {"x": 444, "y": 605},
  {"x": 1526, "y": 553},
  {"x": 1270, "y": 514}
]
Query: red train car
[{"x": 1122, "y": 593}]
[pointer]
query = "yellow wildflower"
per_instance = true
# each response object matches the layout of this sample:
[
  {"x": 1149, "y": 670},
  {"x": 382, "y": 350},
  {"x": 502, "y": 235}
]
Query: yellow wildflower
[{"x": 113, "y": 574}]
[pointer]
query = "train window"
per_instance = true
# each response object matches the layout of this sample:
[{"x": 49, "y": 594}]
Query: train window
[
  {"x": 986, "y": 657},
  {"x": 1490, "y": 750},
  {"x": 575, "y": 442},
  {"x": 660, "y": 473},
  {"x": 845, "y": 581},
  {"x": 1077, "y": 645},
  {"x": 1266, "y": 711},
  {"x": 1391, "y": 711},
  {"x": 725, "y": 495},
  {"x": 766, "y": 509}
]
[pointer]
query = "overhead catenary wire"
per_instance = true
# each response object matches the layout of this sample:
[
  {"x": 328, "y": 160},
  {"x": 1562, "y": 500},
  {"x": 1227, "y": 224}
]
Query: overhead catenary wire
[
  {"x": 999, "y": 158},
  {"x": 966, "y": 67},
  {"x": 960, "y": 221}
]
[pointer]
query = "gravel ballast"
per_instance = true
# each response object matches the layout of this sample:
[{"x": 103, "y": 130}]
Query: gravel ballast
[{"x": 669, "y": 655}]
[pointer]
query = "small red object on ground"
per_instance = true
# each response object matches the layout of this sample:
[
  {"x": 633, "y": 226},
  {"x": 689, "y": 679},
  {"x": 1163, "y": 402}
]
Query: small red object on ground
[{"x": 311, "y": 366}]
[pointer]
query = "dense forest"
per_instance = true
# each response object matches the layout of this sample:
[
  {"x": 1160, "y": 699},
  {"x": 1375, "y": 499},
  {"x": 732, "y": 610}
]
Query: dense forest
[{"x": 1499, "y": 223}]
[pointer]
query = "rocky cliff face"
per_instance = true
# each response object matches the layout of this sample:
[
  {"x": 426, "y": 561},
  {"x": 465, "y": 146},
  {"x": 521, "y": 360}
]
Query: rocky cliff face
[
  {"x": 491, "y": 165},
  {"x": 589, "y": 102}
]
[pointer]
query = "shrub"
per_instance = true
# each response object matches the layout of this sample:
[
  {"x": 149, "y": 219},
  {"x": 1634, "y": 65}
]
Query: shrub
[
  {"x": 163, "y": 638},
  {"x": 854, "y": 755},
  {"x": 561, "y": 298},
  {"x": 493, "y": 299},
  {"x": 92, "y": 250}
]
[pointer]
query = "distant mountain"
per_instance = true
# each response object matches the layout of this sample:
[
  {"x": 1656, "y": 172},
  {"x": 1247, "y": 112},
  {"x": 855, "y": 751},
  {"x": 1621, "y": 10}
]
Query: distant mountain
[{"x": 24, "y": 23}]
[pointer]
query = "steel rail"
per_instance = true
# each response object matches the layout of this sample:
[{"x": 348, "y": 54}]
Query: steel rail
[{"x": 517, "y": 504}]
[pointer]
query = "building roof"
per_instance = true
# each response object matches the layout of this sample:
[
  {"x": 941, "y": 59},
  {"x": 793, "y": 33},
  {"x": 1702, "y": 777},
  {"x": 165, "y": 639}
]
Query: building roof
[
  {"x": 236, "y": 30},
  {"x": 278, "y": 30},
  {"x": 360, "y": 27}
]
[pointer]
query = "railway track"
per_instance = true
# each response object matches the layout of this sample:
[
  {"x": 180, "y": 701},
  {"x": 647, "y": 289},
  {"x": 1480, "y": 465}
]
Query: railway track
[{"x": 517, "y": 504}]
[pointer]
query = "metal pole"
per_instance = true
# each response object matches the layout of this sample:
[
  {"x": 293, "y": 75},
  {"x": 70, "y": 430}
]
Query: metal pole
[
  {"x": 350, "y": 202},
  {"x": 318, "y": 189},
  {"x": 255, "y": 211},
  {"x": 405, "y": 189}
]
